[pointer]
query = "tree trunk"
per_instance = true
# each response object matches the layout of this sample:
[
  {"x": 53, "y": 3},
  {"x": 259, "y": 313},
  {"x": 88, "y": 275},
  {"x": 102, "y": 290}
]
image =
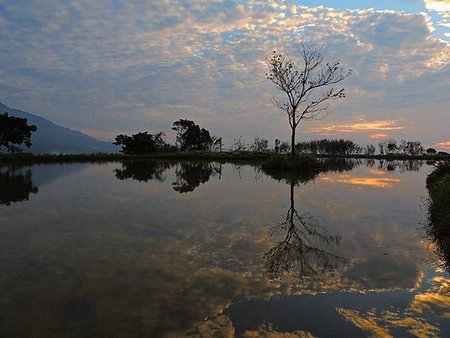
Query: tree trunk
[{"x": 293, "y": 143}]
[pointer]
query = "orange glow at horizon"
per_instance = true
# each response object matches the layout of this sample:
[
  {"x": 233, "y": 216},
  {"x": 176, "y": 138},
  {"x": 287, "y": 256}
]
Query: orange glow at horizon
[
  {"x": 375, "y": 182},
  {"x": 379, "y": 125},
  {"x": 378, "y": 136},
  {"x": 444, "y": 145}
]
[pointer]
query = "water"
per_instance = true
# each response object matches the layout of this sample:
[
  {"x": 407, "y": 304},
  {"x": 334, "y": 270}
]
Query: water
[{"x": 174, "y": 249}]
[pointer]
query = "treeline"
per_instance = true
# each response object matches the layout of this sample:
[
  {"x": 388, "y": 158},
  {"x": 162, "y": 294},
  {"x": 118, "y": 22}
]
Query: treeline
[
  {"x": 191, "y": 137},
  {"x": 348, "y": 147}
]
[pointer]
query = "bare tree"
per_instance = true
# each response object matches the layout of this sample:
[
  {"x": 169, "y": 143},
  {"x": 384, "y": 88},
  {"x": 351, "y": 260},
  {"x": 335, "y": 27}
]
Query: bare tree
[{"x": 307, "y": 84}]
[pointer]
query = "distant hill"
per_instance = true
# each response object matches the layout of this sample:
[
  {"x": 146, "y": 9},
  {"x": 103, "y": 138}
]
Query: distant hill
[{"x": 51, "y": 138}]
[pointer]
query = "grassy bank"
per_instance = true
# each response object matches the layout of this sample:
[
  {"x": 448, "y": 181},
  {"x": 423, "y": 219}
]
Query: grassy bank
[
  {"x": 244, "y": 156},
  {"x": 438, "y": 185}
]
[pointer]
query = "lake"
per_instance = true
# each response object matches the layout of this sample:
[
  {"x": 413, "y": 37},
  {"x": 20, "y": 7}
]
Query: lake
[{"x": 175, "y": 249}]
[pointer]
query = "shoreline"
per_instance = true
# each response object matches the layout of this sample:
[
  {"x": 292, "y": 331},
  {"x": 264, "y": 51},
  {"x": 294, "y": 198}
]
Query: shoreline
[{"x": 251, "y": 157}]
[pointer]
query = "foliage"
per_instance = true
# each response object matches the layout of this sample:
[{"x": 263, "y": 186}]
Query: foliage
[
  {"x": 191, "y": 137},
  {"x": 306, "y": 84},
  {"x": 15, "y": 131},
  {"x": 329, "y": 147},
  {"x": 141, "y": 143}
]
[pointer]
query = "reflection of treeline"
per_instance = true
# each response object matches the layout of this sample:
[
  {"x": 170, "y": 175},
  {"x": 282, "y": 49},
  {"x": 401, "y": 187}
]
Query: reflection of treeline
[
  {"x": 392, "y": 165},
  {"x": 438, "y": 185},
  {"x": 15, "y": 184},
  {"x": 189, "y": 175},
  {"x": 142, "y": 170},
  {"x": 310, "y": 172}
]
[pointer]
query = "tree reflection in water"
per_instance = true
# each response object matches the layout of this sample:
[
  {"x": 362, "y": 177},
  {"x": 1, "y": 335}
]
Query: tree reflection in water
[
  {"x": 189, "y": 175},
  {"x": 15, "y": 184},
  {"x": 142, "y": 170},
  {"x": 302, "y": 250}
]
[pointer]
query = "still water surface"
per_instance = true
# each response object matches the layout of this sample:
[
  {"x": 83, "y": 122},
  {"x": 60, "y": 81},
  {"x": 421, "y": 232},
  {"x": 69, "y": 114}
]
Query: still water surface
[{"x": 206, "y": 249}]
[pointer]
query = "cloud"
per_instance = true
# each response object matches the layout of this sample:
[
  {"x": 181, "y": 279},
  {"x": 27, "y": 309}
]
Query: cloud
[
  {"x": 108, "y": 66},
  {"x": 438, "y": 5},
  {"x": 443, "y": 8}
]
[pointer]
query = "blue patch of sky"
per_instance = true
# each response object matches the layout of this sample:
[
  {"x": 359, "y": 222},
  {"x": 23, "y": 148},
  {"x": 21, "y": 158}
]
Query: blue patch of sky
[
  {"x": 412, "y": 6},
  {"x": 409, "y": 6}
]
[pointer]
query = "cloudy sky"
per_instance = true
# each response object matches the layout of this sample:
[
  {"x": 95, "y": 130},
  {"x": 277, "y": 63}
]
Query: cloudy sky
[{"x": 108, "y": 67}]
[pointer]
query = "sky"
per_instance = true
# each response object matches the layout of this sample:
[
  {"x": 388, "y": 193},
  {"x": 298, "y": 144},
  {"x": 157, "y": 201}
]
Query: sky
[{"x": 110, "y": 67}]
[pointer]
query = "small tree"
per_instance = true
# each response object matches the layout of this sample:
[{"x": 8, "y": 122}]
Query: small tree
[
  {"x": 412, "y": 148},
  {"x": 431, "y": 151},
  {"x": 277, "y": 146},
  {"x": 284, "y": 147},
  {"x": 15, "y": 131},
  {"x": 306, "y": 84},
  {"x": 260, "y": 144},
  {"x": 391, "y": 147},
  {"x": 238, "y": 145},
  {"x": 370, "y": 150}
]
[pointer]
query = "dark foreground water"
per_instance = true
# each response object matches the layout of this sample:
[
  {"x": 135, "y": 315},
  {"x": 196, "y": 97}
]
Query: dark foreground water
[{"x": 154, "y": 249}]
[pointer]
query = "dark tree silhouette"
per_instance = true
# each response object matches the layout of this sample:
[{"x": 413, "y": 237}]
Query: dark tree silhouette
[
  {"x": 302, "y": 249},
  {"x": 141, "y": 143},
  {"x": 191, "y": 137},
  {"x": 431, "y": 151},
  {"x": 15, "y": 184},
  {"x": 306, "y": 84},
  {"x": 15, "y": 131}
]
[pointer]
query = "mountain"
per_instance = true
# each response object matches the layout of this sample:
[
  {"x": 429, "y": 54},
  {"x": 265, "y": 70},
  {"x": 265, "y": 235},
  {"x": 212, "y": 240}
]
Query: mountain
[{"x": 51, "y": 138}]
